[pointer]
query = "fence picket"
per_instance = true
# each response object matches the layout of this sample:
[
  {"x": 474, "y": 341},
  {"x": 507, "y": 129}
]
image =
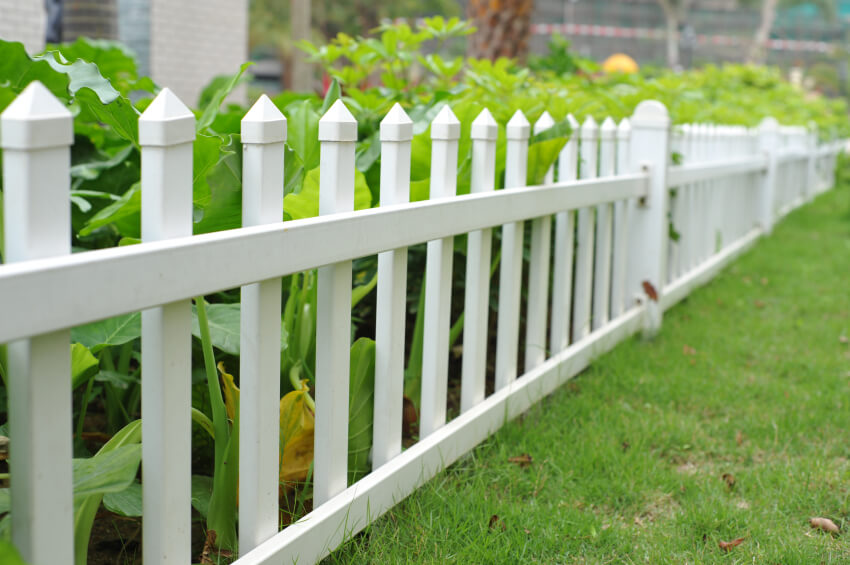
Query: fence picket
[
  {"x": 510, "y": 267},
  {"x": 538, "y": 272},
  {"x": 166, "y": 133},
  {"x": 263, "y": 149},
  {"x": 562, "y": 269},
  {"x": 445, "y": 132},
  {"x": 602, "y": 263},
  {"x": 484, "y": 133},
  {"x": 585, "y": 235},
  {"x": 622, "y": 213},
  {"x": 396, "y": 135},
  {"x": 37, "y": 135},
  {"x": 337, "y": 135}
]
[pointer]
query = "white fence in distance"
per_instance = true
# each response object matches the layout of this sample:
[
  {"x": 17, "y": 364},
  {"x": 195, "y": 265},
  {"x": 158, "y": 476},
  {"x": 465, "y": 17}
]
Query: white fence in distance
[{"x": 610, "y": 233}]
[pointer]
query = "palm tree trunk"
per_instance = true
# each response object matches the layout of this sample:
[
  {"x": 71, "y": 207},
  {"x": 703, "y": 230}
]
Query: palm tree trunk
[
  {"x": 758, "y": 50},
  {"x": 503, "y": 28}
]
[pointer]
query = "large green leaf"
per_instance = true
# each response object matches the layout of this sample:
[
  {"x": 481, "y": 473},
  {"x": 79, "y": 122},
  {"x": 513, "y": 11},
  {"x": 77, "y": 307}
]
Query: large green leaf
[
  {"x": 213, "y": 96},
  {"x": 201, "y": 493},
  {"x": 361, "y": 407},
  {"x": 84, "y": 365},
  {"x": 112, "y": 471},
  {"x": 223, "y": 321},
  {"x": 302, "y": 132},
  {"x": 305, "y": 204},
  {"x": 109, "y": 332},
  {"x": 124, "y": 212},
  {"x": 222, "y": 182},
  {"x": 127, "y": 502}
]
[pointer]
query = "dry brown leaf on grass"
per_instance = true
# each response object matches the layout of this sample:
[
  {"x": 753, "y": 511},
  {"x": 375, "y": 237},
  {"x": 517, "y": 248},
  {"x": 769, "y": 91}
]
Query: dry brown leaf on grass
[
  {"x": 739, "y": 437},
  {"x": 824, "y": 524},
  {"x": 523, "y": 460},
  {"x": 688, "y": 350},
  {"x": 759, "y": 304},
  {"x": 496, "y": 523},
  {"x": 728, "y": 545},
  {"x": 729, "y": 479}
]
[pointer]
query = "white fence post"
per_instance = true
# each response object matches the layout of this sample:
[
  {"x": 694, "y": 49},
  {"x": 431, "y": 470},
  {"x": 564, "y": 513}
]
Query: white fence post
[
  {"x": 166, "y": 132},
  {"x": 263, "y": 149},
  {"x": 562, "y": 267},
  {"x": 811, "y": 142},
  {"x": 37, "y": 132},
  {"x": 650, "y": 135},
  {"x": 445, "y": 132},
  {"x": 510, "y": 267},
  {"x": 768, "y": 144},
  {"x": 396, "y": 135},
  {"x": 622, "y": 213},
  {"x": 585, "y": 235},
  {"x": 538, "y": 272},
  {"x": 484, "y": 133},
  {"x": 337, "y": 134}
]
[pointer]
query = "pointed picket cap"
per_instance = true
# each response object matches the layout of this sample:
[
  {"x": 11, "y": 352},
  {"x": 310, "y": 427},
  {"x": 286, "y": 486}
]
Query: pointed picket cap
[
  {"x": 445, "y": 125},
  {"x": 35, "y": 120},
  {"x": 396, "y": 125},
  {"x": 264, "y": 123},
  {"x": 608, "y": 129},
  {"x": 624, "y": 129},
  {"x": 544, "y": 122},
  {"x": 484, "y": 127},
  {"x": 167, "y": 121},
  {"x": 651, "y": 114},
  {"x": 589, "y": 129},
  {"x": 574, "y": 125},
  {"x": 518, "y": 127},
  {"x": 337, "y": 124},
  {"x": 769, "y": 124}
]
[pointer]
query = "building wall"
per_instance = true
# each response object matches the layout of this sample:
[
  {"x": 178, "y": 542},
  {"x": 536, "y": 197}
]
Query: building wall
[
  {"x": 192, "y": 41},
  {"x": 24, "y": 21}
]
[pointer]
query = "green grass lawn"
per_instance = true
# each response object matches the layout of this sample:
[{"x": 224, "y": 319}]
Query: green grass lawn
[{"x": 732, "y": 423}]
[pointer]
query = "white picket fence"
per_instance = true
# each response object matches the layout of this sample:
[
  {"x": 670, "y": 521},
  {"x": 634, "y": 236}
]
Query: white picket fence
[{"x": 606, "y": 252}]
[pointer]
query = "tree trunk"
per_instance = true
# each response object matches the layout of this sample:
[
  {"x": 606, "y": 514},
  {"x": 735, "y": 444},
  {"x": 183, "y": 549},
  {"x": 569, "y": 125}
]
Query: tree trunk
[
  {"x": 299, "y": 70},
  {"x": 671, "y": 16},
  {"x": 758, "y": 50},
  {"x": 503, "y": 28}
]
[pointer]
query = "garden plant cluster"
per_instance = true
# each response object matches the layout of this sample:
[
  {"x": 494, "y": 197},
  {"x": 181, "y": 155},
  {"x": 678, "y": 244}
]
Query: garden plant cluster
[{"x": 100, "y": 84}]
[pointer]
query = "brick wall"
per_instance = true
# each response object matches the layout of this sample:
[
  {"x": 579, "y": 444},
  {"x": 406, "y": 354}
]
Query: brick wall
[
  {"x": 192, "y": 41},
  {"x": 24, "y": 21}
]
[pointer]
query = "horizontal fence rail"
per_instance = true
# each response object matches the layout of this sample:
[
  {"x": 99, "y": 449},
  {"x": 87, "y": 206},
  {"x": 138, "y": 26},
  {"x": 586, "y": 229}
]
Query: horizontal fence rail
[{"x": 629, "y": 219}]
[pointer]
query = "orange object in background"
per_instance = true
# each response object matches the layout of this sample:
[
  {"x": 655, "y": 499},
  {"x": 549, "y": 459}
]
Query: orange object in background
[{"x": 620, "y": 63}]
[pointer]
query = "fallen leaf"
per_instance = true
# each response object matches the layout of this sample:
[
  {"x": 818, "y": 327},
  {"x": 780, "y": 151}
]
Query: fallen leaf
[
  {"x": 764, "y": 281},
  {"x": 759, "y": 304},
  {"x": 409, "y": 420},
  {"x": 297, "y": 424},
  {"x": 650, "y": 291},
  {"x": 719, "y": 302},
  {"x": 739, "y": 437},
  {"x": 693, "y": 361},
  {"x": 824, "y": 524},
  {"x": 496, "y": 523},
  {"x": 688, "y": 350},
  {"x": 727, "y": 545},
  {"x": 523, "y": 460},
  {"x": 747, "y": 280},
  {"x": 212, "y": 555},
  {"x": 729, "y": 479},
  {"x": 743, "y": 505},
  {"x": 843, "y": 339},
  {"x": 626, "y": 445}
]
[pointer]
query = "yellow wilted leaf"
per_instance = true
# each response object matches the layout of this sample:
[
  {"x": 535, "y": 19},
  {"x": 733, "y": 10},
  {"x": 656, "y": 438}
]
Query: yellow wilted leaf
[
  {"x": 231, "y": 392},
  {"x": 296, "y": 435}
]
